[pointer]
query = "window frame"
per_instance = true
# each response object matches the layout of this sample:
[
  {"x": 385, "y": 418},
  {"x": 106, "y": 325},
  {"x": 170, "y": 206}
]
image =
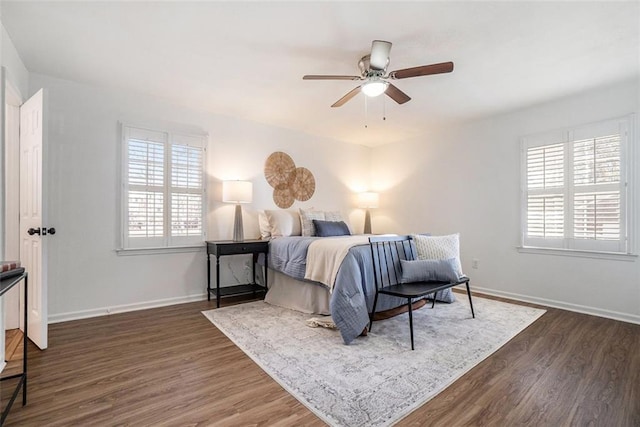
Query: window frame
[
  {"x": 166, "y": 243},
  {"x": 568, "y": 244}
]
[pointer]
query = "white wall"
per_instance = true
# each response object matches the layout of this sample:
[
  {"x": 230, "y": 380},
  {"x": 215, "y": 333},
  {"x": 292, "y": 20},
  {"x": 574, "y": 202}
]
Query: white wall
[
  {"x": 17, "y": 80},
  {"x": 17, "y": 73},
  {"x": 467, "y": 179},
  {"x": 87, "y": 277}
]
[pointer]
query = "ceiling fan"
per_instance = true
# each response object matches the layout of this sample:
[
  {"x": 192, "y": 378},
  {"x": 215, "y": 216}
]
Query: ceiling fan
[{"x": 372, "y": 71}]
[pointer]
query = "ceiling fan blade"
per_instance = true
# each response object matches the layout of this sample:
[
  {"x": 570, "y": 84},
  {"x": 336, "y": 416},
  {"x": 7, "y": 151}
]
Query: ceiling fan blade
[
  {"x": 423, "y": 70},
  {"x": 396, "y": 94},
  {"x": 379, "y": 58},
  {"x": 328, "y": 77},
  {"x": 340, "y": 102}
]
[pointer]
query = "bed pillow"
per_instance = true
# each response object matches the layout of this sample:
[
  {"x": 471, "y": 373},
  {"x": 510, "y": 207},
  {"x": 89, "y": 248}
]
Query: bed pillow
[
  {"x": 308, "y": 215},
  {"x": 263, "y": 223},
  {"x": 429, "y": 270},
  {"x": 333, "y": 216},
  {"x": 439, "y": 247},
  {"x": 336, "y": 216},
  {"x": 330, "y": 228},
  {"x": 306, "y": 220},
  {"x": 283, "y": 223}
]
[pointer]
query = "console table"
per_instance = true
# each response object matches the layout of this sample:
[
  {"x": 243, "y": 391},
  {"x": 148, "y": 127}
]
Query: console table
[
  {"x": 230, "y": 247},
  {"x": 5, "y": 286}
]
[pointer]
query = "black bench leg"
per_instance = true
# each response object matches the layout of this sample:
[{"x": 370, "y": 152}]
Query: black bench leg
[
  {"x": 411, "y": 322},
  {"x": 470, "y": 302},
  {"x": 373, "y": 311},
  {"x": 433, "y": 303}
]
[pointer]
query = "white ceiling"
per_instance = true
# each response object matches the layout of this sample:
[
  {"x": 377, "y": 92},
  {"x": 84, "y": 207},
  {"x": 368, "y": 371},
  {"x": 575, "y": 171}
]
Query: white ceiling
[{"x": 247, "y": 59}]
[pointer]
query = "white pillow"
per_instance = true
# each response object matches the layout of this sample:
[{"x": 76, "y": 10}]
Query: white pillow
[
  {"x": 283, "y": 223},
  {"x": 263, "y": 223},
  {"x": 439, "y": 247},
  {"x": 306, "y": 221}
]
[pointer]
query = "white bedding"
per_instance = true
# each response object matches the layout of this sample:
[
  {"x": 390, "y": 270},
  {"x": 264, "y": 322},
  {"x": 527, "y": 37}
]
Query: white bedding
[{"x": 325, "y": 256}]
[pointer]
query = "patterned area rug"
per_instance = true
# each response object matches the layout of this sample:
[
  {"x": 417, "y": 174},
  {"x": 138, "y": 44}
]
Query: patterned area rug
[{"x": 376, "y": 380}]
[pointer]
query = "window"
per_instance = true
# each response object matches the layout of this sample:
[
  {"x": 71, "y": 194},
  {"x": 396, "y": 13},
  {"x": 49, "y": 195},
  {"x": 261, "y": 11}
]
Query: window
[
  {"x": 163, "y": 187},
  {"x": 575, "y": 188}
]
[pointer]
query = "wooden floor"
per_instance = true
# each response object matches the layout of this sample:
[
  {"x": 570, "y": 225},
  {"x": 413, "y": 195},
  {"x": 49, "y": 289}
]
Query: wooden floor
[{"x": 171, "y": 366}]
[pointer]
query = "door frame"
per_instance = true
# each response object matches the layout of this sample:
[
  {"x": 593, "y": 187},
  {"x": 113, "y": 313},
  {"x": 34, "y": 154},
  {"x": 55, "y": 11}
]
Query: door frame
[{"x": 13, "y": 305}]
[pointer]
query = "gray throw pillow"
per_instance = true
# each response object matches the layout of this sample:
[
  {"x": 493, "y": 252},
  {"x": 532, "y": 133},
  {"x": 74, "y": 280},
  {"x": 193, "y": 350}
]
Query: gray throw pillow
[
  {"x": 330, "y": 228},
  {"x": 429, "y": 270}
]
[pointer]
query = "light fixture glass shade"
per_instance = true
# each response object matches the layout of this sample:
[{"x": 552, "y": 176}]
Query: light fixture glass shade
[
  {"x": 374, "y": 88},
  {"x": 368, "y": 200},
  {"x": 237, "y": 191}
]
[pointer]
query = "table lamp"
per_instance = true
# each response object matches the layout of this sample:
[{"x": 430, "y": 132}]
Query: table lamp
[
  {"x": 237, "y": 192},
  {"x": 368, "y": 200}
]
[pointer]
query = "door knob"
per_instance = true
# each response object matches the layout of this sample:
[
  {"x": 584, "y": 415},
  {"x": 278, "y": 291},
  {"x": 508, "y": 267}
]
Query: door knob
[
  {"x": 33, "y": 231},
  {"x": 46, "y": 230}
]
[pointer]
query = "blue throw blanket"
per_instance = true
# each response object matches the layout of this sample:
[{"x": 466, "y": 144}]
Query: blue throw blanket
[{"x": 354, "y": 289}]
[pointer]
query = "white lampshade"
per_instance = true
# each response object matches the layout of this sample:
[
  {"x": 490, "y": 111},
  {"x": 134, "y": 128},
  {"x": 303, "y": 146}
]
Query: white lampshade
[
  {"x": 374, "y": 88},
  {"x": 237, "y": 191},
  {"x": 368, "y": 200}
]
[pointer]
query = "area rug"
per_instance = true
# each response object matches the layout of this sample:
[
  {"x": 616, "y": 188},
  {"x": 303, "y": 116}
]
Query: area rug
[{"x": 377, "y": 379}]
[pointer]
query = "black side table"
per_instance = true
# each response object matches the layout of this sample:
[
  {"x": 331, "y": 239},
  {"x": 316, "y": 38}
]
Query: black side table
[
  {"x": 5, "y": 285},
  {"x": 230, "y": 247}
]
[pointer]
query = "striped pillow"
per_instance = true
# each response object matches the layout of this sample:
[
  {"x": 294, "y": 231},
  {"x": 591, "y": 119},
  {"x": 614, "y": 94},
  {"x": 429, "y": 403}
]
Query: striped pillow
[{"x": 306, "y": 220}]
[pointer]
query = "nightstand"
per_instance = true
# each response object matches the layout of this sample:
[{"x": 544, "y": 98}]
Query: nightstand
[{"x": 230, "y": 247}]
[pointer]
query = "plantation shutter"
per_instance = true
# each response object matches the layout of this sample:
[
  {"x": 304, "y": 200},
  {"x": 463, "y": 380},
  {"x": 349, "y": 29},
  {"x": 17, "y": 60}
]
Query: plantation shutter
[
  {"x": 574, "y": 190},
  {"x": 145, "y": 179},
  {"x": 163, "y": 189},
  {"x": 599, "y": 187},
  {"x": 187, "y": 190},
  {"x": 596, "y": 165},
  {"x": 545, "y": 200}
]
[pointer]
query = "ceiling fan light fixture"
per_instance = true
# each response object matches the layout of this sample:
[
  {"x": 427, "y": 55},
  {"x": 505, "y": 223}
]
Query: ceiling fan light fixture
[{"x": 374, "y": 88}]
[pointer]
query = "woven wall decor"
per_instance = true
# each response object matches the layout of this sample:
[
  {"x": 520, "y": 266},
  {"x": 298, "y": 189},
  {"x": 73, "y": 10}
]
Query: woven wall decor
[
  {"x": 282, "y": 196},
  {"x": 278, "y": 168},
  {"x": 303, "y": 184},
  {"x": 289, "y": 182}
]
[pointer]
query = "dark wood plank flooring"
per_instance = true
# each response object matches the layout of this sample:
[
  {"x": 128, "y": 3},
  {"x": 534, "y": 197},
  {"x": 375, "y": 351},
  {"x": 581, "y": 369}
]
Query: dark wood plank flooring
[{"x": 171, "y": 366}]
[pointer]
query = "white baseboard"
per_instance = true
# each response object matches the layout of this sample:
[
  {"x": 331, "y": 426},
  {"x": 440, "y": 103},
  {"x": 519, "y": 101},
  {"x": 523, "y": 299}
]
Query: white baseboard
[
  {"x": 624, "y": 317},
  {"x": 105, "y": 311}
]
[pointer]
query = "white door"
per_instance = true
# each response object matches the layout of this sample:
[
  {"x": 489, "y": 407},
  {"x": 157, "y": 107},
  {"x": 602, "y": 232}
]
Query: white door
[{"x": 33, "y": 221}]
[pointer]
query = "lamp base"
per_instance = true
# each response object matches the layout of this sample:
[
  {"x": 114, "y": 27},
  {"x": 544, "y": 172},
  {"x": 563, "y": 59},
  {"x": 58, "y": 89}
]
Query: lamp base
[
  {"x": 367, "y": 222},
  {"x": 238, "y": 232}
]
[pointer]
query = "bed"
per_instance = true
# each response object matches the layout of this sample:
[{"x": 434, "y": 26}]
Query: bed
[{"x": 348, "y": 301}]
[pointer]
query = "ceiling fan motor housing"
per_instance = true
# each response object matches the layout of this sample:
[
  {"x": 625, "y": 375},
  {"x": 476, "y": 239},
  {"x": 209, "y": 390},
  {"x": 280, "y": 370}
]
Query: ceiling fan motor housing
[{"x": 365, "y": 67}]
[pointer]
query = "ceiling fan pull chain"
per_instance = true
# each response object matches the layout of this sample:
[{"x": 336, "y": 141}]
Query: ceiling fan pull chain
[
  {"x": 384, "y": 108},
  {"x": 366, "y": 115}
]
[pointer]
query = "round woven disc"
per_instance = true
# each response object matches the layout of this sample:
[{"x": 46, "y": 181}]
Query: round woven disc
[
  {"x": 303, "y": 184},
  {"x": 278, "y": 168},
  {"x": 283, "y": 196}
]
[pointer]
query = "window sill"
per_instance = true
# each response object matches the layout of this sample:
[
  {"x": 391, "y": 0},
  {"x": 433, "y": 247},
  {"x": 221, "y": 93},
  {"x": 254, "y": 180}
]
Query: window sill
[
  {"x": 157, "y": 251},
  {"x": 577, "y": 253}
]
